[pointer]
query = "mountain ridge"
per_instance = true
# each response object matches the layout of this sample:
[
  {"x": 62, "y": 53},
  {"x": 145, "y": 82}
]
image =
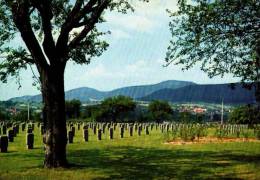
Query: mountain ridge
[
  {"x": 208, "y": 93},
  {"x": 170, "y": 90},
  {"x": 86, "y": 93}
]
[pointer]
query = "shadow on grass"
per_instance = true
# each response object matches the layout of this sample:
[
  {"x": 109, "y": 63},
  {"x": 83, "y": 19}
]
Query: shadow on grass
[
  {"x": 149, "y": 163},
  {"x": 131, "y": 162}
]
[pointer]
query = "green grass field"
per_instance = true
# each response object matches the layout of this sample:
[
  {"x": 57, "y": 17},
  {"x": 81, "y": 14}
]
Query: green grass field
[{"x": 144, "y": 157}]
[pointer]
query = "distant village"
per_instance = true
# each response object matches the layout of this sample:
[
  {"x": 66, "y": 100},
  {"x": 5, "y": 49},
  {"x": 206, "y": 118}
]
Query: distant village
[{"x": 214, "y": 112}]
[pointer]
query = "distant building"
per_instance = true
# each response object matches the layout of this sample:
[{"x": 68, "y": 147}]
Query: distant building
[
  {"x": 12, "y": 110},
  {"x": 199, "y": 110}
]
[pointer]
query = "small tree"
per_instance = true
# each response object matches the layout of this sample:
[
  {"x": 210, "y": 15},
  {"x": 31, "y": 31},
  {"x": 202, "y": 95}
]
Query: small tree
[{"x": 160, "y": 110}]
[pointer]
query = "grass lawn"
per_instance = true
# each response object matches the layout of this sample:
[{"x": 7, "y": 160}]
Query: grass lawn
[{"x": 144, "y": 157}]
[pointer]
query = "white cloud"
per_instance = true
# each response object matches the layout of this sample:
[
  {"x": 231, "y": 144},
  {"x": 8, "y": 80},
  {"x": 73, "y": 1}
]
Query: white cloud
[
  {"x": 142, "y": 72},
  {"x": 99, "y": 72},
  {"x": 156, "y": 7},
  {"x": 145, "y": 18},
  {"x": 131, "y": 22},
  {"x": 137, "y": 70},
  {"x": 120, "y": 34}
]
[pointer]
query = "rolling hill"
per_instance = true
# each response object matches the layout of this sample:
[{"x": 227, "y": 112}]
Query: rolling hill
[
  {"x": 212, "y": 93},
  {"x": 144, "y": 90},
  {"x": 85, "y": 94}
]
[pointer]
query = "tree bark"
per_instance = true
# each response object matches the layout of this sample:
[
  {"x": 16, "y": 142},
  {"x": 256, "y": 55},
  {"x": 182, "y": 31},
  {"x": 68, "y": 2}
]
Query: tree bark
[
  {"x": 257, "y": 86},
  {"x": 55, "y": 136}
]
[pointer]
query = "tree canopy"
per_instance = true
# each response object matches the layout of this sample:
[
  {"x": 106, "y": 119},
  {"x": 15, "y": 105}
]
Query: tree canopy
[
  {"x": 223, "y": 36},
  {"x": 160, "y": 110},
  {"x": 54, "y": 31},
  {"x": 111, "y": 109},
  {"x": 72, "y": 108},
  {"x": 244, "y": 115}
]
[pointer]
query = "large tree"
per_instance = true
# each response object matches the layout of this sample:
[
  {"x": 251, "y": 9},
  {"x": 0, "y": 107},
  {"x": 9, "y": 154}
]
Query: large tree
[
  {"x": 112, "y": 108},
  {"x": 160, "y": 110},
  {"x": 54, "y": 32},
  {"x": 223, "y": 36}
]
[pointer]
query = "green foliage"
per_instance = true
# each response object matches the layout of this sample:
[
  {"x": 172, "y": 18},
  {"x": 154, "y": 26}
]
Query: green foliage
[
  {"x": 72, "y": 108},
  {"x": 90, "y": 111},
  {"x": 257, "y": 133},
  {"x": 4, "y": 115},
  {"x": 63, "y": 30},
  {"x": 201, "y": 131},
  {"x": 185, "y": 117},
  {"x": 36, "y": 116},
  {"x": 22, "y": 116},
  {"x": 145, "y": 117},
  {"x": 160, "y": 110},
  {"x": 112, "y": 109},
  {"x": 186, "y": 132},
  {"x": 245, "y": 115},
  {"x": 233, "y": 131},
  {"x": 188, "y": 117},
  {"x": 222, "y": 36},
  {"x": 220, "y": 133}
]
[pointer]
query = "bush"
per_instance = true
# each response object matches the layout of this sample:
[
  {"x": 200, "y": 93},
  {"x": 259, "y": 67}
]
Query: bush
[{"x": 245, "y": 115}]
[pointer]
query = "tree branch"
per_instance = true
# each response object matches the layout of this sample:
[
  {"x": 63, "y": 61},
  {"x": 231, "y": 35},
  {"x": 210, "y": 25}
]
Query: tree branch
[
  {"x": 90, "y": 23},
  {"x": 68, "y": 25},
  {"x": 75, "y": 17},
  {"x": 44, "y": 7},
  {"x": 20, "y": 11}
]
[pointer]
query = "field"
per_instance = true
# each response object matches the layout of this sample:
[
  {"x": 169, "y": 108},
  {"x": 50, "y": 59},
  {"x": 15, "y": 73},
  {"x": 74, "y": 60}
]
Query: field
[{"x": 136, "y": 157}]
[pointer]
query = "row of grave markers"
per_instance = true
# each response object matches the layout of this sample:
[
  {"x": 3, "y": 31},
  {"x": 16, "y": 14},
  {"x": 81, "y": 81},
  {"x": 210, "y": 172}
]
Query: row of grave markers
[
  {"x": 99, "y": 130},
  {"x": 10, "y": 130}
]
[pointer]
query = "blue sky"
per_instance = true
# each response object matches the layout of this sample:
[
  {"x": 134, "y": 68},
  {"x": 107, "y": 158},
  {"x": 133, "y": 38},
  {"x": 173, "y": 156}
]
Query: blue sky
[{"x": 135, "y": 56}]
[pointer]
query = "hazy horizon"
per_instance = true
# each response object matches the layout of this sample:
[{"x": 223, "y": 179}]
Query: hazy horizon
[{"x": 107, "y": 90}]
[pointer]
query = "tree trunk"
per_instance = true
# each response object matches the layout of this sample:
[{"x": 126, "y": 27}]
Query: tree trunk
[
  {"x": 257, "y": 86},
  {"x": 55, "y": 136},
  {"x": 257, "y": 93}
]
